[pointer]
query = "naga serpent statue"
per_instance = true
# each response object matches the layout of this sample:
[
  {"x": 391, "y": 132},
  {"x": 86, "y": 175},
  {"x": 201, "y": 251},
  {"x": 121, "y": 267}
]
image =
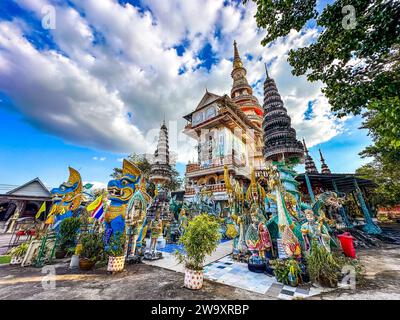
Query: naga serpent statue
[
  {"x": 120, "y": 191},
  {"x": 66, "y": 199}
]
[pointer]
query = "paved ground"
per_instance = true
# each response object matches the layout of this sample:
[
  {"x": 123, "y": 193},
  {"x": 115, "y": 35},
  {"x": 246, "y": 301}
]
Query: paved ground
[
  {"x": 151, "y": 282},
  {"x": 382, "y": 280},
  {"x": 148, "y": 282},
  {"x": 137, "y": 282}
]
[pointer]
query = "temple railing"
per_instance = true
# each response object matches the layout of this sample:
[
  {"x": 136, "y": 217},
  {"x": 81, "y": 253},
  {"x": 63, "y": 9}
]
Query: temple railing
[
  {"x": 218, "y": 187},
  {"x": 217, "y": 163}
]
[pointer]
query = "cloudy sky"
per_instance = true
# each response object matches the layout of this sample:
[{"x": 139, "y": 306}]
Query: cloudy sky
[{"x": 97, "y": 87}]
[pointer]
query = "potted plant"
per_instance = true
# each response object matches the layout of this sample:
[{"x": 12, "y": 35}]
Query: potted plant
[
  {"x": 69, "y": 229},
  {"x": 281, "y": 271},
  {"x": 287, "y": 271},
  {"x": 201, "y": 238},
  {"x": 116, "y": 253},
  {"x": 91, "y": 246},
  {"x": 294, "y": 274},
  {"x": 18, "y": 253}
]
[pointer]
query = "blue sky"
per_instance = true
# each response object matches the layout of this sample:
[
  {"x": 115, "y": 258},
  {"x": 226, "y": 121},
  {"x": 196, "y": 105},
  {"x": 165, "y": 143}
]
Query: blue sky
[{"x": 97, "y": 87}]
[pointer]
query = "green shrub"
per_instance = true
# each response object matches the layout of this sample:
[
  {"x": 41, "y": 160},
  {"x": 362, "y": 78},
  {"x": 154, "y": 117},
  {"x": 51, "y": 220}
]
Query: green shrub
[
  {"x": 68, "y": 233},
  {"x": 282, "y": 268},
  {"x": 355, "y": 263},
  {"x": 201, "y": 238},
  {"x": 92, "y": 246},
  {"x": 116, "y": 246},
  {"x": 5, "y": 259},
  {"x": 322, "y": 267},
  {"x": 19, "y": 251}
]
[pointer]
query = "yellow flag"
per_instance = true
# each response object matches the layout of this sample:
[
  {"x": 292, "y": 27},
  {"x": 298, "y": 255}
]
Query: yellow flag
[
  {"x": 94, "y": 204},
  {"x": 42, "y": 209}
]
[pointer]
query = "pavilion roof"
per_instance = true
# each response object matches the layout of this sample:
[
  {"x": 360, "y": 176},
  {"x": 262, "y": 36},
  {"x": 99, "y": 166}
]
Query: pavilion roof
[{"x": 344, "y": 181}]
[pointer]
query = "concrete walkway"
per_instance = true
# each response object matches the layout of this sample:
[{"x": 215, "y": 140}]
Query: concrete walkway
[{"x": 4, "y": 241}]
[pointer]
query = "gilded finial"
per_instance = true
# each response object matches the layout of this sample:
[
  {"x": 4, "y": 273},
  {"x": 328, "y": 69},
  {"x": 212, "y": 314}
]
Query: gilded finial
[{"x": 237, "y": 62}]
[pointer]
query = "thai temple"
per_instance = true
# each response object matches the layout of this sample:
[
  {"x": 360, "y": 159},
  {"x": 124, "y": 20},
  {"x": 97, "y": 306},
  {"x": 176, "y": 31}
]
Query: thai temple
[{"x": 237, "y": 132}]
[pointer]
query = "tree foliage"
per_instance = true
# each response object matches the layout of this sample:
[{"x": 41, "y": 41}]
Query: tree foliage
[
  {"x": 200, "y": 239},
  {"x": 386, "y": 174},
  {"x": 144, "y": 166},
  {"x": 356, "y": 54}
]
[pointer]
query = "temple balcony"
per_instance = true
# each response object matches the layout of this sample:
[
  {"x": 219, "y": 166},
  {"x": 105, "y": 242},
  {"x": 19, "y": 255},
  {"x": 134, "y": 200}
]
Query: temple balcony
[
  {"x": 218, "y": 187},
  {"x": 195, "y": 170}
]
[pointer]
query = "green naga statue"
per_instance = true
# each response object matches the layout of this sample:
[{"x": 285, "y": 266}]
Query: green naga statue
[{"x": 289, "y": 233}]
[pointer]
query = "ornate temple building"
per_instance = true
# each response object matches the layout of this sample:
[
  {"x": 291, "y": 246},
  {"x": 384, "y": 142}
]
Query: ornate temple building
[
  {"x": 160, "y": 172},
  {"x": 228, "y": 130}
]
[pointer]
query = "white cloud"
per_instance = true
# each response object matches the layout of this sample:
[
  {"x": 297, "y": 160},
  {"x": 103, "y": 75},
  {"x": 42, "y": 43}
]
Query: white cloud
[{"x": 116, "y": 60}]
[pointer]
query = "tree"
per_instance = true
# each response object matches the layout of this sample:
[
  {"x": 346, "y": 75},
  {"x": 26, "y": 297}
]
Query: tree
[
  {"x": 357, "y": 56},
  {"x": 387, "y": 176},
  {"x": 144, "y": 165},
  {"x": 140, "y": 161}
]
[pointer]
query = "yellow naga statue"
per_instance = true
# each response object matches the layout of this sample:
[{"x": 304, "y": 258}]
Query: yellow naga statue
[
  {"x": 66, "y": 199},
  {"x": 255, "y": 193}
]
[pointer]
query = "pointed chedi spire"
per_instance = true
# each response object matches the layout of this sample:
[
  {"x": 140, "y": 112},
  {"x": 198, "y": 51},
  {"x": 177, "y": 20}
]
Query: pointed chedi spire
[
  {"x": 324, "y": 167},
  {"x": 309, "y": 162},
  {"x": 242, "y": 93},
  {"x": 280, "y": 141},
  {"x": 266, "y": 71},
  {"x": 160, "y": 170},
  {"x": 237, "y": 62}
]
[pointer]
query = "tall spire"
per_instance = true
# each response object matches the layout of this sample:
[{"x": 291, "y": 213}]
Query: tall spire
[
  {"x": 160, "y": 170},
  {"x": 279, "y": 137},
  {"x": 237, "y": 62},
  {"x": 309, "y": 162},
  {"x": 242, "y": 93},
  {"x": 266, "y": 71},
  {"x": 324, "y": 166}
]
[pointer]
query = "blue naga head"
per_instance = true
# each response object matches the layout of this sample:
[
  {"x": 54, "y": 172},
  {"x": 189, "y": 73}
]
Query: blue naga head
[
  {"x": 69, "y": 193},
  {"x": 122, "y": 189}
]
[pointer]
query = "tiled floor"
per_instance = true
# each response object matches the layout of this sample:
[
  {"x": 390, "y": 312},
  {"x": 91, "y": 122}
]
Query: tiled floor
[
  {"x": 221, "y": 268},
  {"x": 170, "y": 262},
  {"x": 236, "y": 274}
]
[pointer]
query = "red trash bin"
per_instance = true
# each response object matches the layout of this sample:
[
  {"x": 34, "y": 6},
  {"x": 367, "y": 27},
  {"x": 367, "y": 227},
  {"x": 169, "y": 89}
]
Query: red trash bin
[{"x": 346, "y": 241}]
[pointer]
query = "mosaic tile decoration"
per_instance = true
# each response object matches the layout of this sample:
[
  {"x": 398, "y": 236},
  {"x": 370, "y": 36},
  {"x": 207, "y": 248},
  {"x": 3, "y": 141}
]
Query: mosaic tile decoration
[{"x": 236, "y": 274}]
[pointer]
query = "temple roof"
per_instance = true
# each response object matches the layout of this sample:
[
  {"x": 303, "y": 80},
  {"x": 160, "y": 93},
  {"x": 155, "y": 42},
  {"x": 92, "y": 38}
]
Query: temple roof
[{"x": 210, "y": 97}]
